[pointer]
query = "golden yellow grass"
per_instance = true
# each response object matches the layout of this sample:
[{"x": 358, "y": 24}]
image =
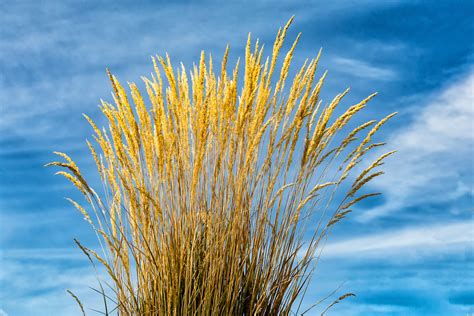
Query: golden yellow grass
[{"x": 216, "y": 200}]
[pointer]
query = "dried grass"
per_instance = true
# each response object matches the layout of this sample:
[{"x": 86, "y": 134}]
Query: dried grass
[{"x": 210, "y": 192}]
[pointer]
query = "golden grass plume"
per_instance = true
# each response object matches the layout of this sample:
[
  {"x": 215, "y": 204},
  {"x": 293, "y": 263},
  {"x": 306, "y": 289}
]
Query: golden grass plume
[{"x": 210, "y": 193}]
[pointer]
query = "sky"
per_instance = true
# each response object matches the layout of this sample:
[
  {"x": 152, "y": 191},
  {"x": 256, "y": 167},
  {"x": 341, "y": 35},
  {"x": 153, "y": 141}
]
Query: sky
[{"x": 408, "y": 252}]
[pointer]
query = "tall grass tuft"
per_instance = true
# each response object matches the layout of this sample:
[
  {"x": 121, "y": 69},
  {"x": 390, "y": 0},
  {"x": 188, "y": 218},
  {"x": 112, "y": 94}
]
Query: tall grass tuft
[{"x": 218, "y": 195}]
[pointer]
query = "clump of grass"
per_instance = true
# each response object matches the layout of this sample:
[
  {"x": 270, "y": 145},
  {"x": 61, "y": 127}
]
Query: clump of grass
[{"x": 209, "y": 191}]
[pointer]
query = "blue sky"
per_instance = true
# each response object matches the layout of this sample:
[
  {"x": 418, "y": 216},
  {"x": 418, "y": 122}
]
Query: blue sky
[{"x": 409, "y": 252}]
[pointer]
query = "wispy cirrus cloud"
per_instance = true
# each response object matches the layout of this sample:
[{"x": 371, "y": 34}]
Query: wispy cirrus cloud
[
  {"x": 40, "y": 282},
  {"x": 428, "y": 240},
  {"x": 434, "y": 159},
  {"x": 363, "y": 69}
]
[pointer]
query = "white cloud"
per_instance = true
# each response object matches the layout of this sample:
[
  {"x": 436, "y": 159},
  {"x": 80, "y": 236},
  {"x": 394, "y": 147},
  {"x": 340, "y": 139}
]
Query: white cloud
[
  {"x": 362, "y": 69},
  {"x": 425, "y": 239},
  {"x": 434, "y": 160},
  {"x": 33, "y": 286},
  {"x": 43, "y": 254}
]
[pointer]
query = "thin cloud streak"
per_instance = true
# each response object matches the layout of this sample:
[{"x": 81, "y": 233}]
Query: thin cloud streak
[
  {"x": 43, "y": 254},
  {"x": 364, "y": 70},
  {"x": 428, "y": 239}
]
